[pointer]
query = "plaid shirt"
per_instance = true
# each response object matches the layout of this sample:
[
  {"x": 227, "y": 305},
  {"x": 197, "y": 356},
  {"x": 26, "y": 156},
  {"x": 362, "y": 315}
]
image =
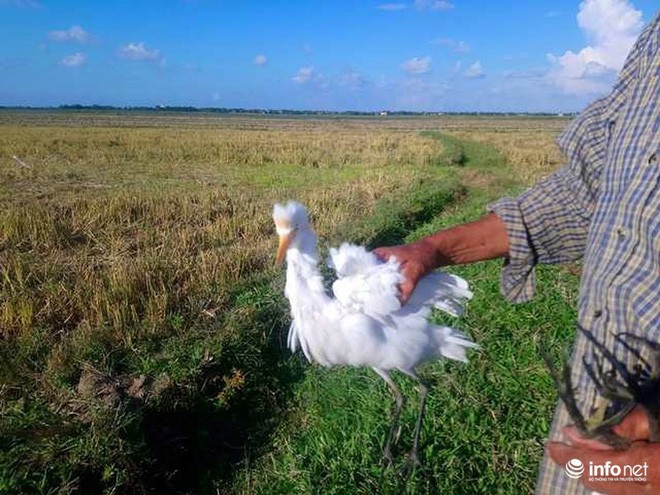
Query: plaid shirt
[{"x": 602, "y": 207}]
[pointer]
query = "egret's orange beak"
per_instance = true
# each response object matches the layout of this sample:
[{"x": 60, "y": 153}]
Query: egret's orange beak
[{"x": 285, "y": 240}]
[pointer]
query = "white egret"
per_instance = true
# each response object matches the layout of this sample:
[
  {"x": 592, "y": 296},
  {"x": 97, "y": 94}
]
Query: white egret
[{"x": 364, "y": 324}]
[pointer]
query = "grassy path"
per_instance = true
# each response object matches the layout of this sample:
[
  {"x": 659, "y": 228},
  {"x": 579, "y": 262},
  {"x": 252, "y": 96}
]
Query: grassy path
[{"x": 485, "y": 422}]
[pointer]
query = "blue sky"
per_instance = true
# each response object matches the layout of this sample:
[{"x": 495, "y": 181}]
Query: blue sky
[{"x": 422, "y": 55}]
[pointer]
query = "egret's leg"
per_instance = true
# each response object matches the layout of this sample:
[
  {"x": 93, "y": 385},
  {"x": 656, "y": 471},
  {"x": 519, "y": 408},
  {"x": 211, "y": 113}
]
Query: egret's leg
[
  {"x": 423, "y": 390},
  {"x": 398, "y": 398}
]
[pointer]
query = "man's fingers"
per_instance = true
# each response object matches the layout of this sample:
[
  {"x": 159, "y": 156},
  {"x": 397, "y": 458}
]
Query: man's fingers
[
  {"x": 383, "y": 253},
  {"x": 574, "y": 438},
  {"x": 405, "y": 290},
  {"x": 407, "y": 286},
  {"x": 621, "y": 487},
  {"x": 412, "y": 268},
  {"x": 635, "y": 426}
]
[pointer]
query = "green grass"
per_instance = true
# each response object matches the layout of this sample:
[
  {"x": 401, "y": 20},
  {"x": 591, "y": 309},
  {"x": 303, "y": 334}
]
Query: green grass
[
  {"x": 486, "y": 422},
  {"x": 144, "y": 343},
  {"x": 141, "y": 321}
]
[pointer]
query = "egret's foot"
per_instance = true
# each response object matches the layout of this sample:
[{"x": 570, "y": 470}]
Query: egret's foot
[
  {"x": 414, "y": 459},
  {"x": 411, "y": 463},
  {"x": 387, "y": 460},
  {"x": 397, "y": 435}
]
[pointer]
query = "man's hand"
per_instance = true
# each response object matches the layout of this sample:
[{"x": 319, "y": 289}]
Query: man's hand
[
  {"x": 480, "y": 240},
  {"x": 416, "y": 259},
  {"x": 634, "y": 427}
]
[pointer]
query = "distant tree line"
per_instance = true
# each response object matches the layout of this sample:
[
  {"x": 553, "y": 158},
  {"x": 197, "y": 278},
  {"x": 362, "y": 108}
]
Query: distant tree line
[{"x": 257, "y": 111}]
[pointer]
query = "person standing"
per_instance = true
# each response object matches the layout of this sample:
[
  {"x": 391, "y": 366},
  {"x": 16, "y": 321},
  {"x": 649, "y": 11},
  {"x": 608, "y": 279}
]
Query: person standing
[{"x": 602, "y": 207}]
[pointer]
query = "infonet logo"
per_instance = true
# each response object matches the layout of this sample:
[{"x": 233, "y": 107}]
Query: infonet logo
[
  {"x": 607, "y": 472},
  {"x": 574, "y": 468}
]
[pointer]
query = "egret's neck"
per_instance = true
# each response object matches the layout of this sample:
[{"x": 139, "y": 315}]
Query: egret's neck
[
  {"x": 303, "y": 274},
  {"x": 305, "y": 243}
]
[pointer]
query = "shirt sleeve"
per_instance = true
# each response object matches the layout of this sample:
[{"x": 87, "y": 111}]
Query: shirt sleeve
[
  {"x": 545, "y": 224},
  {"x": 549, "y": 222}
]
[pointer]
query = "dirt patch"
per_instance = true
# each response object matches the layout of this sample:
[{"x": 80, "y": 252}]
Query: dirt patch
[
  {"x": 96, "y": 389},
  {"x": 479, "y": 179},
  {"x": 573, "y": 268}
]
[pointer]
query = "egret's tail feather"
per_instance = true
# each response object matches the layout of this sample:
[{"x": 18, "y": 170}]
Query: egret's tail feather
[
  {"x": 453, "y": 307},
  {"x": 453, "y": 344},
  {"x": 292, "y": 340},
  {"x": 444, "y": 291}
]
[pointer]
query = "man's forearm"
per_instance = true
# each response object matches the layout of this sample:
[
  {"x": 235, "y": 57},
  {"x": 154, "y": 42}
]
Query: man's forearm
[
  {"x": 480, "y": 240},
  {"x": 484, "y": 239}
]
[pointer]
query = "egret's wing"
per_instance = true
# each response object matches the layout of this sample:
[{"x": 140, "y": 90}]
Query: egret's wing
[
  {"x": 365, "y": 283},
  {"x": 292, "y": 339},
  {"x": 369, "y": 285},
  {"x": 441, "y": 290}
]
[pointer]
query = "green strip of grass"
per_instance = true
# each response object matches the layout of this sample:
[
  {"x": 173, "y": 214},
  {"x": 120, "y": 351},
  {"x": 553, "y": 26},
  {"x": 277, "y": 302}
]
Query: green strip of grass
[
  {"x": 485, "y": 422},
  {"x": 218, "y": 388},
  {"x": 231, "y": 410}
]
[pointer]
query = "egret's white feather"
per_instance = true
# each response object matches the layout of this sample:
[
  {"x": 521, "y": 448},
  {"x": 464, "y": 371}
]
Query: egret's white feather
[
  {"x": 365, "y": 283},
  {"x": 292, "y": 337},
  {"x": 369, "y": 285},
  {"x": 364, "y": 323}
]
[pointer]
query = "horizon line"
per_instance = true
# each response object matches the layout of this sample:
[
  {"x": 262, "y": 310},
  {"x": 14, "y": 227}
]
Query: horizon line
[{"x": 276, "y": 111}]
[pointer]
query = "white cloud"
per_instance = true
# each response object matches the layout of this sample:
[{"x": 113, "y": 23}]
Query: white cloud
[
  {"x": 74, "y": 33},
  {"x": 609, "y": 21},
  {"x": 353, "y": 80},
  {"x": 611, "y": 28},
  {"x": 75, "y": 60},
  {"x": 392, "y": 7},
  {"x": 433, "y": 5},
  {"x": 475, "y": 71},
  {"x": 417, "y": 65},
  {"x": 139, "y": 52},
  {"x": 454, "y": 45},
  {"x": 260, "y": 60},
  {"x": 310, "y": 78},
  {"x": 304, "y": 75},
  {"x": 461, "y": 47}
]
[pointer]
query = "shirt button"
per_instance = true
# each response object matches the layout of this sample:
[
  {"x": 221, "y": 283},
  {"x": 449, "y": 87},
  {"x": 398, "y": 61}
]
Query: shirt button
[
  {"x": 598, "y": 313},
  {"x": 621, "y": 232},
  {"x": 653, "y": 158}
]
